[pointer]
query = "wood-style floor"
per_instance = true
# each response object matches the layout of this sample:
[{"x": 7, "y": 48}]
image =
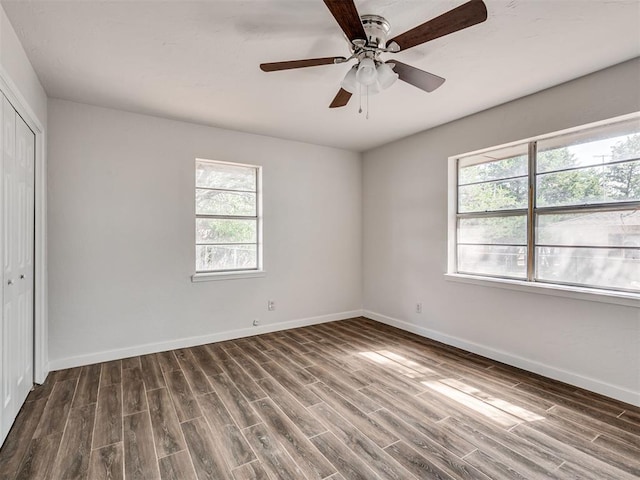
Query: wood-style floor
[{"x": 344, "y": 400}]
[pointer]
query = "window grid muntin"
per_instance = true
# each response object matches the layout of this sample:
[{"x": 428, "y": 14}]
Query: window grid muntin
[
  {"x": 533, "y": 212},
  {"x": 258, "y": 199},
  {"x": 494, "y": 180},
  {"x": 584, "y": 167},
  {"x": 532, "y": 152},
  {"x": 499, "y": 244},
  {"x": 225, "y": 190},
  {"x": 560, "y": 245},
  {"x": 227, "y": 217}
]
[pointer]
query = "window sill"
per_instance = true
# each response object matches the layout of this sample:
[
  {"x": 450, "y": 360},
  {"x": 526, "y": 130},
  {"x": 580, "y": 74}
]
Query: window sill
[
  {"x": 209, "y": 277},
  {"x": 580, "y": 293}
]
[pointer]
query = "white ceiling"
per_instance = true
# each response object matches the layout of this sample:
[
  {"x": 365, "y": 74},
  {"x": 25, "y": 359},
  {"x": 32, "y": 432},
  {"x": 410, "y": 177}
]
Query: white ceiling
[{"x": 198, "y": 61}]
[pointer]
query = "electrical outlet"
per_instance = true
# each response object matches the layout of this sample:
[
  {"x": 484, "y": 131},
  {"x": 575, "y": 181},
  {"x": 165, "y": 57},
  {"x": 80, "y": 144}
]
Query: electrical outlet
[
  {"x": 271, "y": 305},
  {"x": 419, "y": 307},
  {"x": 256, "y": 322}
]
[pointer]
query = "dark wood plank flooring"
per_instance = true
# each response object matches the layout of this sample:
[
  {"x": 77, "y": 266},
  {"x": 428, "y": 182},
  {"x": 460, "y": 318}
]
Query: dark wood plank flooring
[{"x": 343, "y": 401}]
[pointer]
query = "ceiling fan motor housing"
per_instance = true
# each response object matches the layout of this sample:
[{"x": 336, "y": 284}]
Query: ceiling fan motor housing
[{"x": 377, "y": 29}]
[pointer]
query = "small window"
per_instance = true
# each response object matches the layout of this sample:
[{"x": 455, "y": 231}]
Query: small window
[
  {"x": 563, "y": 209},
  {"x": 228, "y": 221}
]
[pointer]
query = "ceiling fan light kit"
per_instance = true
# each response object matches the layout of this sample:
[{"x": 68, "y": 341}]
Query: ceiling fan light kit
[
  {"x": 367, "y": 36},
  {"x": 373, "y": 78},
  {"x": 366, "y": 74},
  {"x": 386, "y": 75}
]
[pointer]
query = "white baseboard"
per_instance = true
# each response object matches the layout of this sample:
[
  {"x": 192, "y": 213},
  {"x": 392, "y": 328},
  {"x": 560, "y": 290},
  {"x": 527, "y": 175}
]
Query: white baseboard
[
  {"x": 117, "y": 354},
  {"x": 571, "y": 378}
]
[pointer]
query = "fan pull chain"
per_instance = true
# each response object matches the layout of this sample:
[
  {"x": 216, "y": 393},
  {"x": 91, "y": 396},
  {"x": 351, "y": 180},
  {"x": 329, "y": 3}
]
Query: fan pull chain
[
  {"x": 360, "y": 97},
  {"x": 367, "y": 102}
]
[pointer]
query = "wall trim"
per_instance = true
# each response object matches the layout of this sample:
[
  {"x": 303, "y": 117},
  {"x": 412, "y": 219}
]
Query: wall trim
[
  {"x": 185, "y": 342},
  {"x": 40, "y": 300},
  {"x": 549, "y": 371}
]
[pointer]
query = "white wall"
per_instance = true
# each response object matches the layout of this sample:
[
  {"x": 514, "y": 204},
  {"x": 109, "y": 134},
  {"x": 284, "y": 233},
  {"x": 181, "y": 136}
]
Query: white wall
[
  {"x": 590, "y": 344},
  {"x": 15, "y": 63},
  {"x": 121, "y": 235}
]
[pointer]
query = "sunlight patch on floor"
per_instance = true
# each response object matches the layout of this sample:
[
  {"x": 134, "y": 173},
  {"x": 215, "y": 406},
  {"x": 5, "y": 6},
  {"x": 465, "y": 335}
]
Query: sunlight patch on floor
[
  {"x": 387, "y": 362},
  {"x": 502, "y": 418},
  {"x": 508, "y": 407},
  {"x": 501, "y": 411},
  {"x": 407, "y": 363}
]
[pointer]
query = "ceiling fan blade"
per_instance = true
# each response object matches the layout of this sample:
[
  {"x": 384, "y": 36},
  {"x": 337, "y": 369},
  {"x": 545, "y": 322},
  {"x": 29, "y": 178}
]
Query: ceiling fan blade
[
  {"x": 418, "y": 78},
  {"x": 309, "y": 62},
  {"x": 341, "y": 99},
  {"x": 466, "y": 15},
  {"x": 347, "y": 16}
]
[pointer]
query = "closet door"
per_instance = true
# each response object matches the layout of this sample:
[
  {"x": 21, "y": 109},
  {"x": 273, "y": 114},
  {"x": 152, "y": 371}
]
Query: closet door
[
  {"x": 17, "y": 241},
  {"x": 24, "y": 223},
  {"x": 9, "y": 241}
]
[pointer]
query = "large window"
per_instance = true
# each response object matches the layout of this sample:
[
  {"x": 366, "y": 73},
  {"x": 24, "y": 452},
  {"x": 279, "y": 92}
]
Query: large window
[
  {"x": 563, "y": 209},
  {"x": 227, "y": 217}
]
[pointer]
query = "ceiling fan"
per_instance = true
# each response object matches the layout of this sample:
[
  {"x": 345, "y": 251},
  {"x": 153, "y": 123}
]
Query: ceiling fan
[{"x": 367, "y": 35}]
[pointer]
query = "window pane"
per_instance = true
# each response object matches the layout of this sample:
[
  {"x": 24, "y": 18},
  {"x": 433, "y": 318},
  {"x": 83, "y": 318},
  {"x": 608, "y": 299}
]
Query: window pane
[
  {"x": 496, "y": 260},
  {"x": 511, "y": 229},
  {"x": 227, "y": 177},
  {"x": 509, "y": 167},
  {"x": 225, "y": 231},
  {"x": 603, "y": 229},
  {"x": 592, "y": 147},
  {"x": 500, "y": 195},
  {"x": 591, "y": 185},
  {"x": 625, "y": 147},
  {"x": 216, "y": 202},
  {"x": 225, "y": 257},
  {"x": 597, "y": 267},
  {"x": 622, "y": 181},
  {"x": 575, "y": 187}
]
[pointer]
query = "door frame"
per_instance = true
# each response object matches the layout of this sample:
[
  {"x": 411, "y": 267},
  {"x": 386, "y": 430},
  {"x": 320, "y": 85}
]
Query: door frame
[{"x": 40, "y": 299}]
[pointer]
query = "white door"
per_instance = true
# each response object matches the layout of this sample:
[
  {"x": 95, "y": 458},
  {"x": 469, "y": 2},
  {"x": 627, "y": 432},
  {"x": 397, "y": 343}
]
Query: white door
[
  {"x": 8, "y": 239},
  {"x": 17, "y": 240},
  {"x": 25, "y": 156}
]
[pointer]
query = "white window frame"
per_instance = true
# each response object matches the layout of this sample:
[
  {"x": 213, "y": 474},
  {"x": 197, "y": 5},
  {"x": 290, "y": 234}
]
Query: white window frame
[
  {"x": 236, "y": 273},
  {"x": 530, "y": 285}
]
